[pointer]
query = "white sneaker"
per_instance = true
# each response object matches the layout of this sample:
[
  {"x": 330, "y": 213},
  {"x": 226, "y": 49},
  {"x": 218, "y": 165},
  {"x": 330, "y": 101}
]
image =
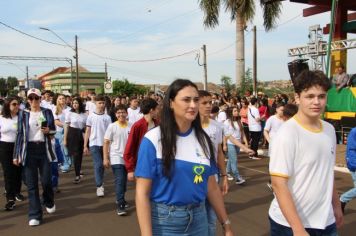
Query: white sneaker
[
  {"x": 229, "y": 177},
  {"x": 51, "y": 210},
  {"x": 240, "y": 181},
  {"x": 34, "y": 222},
  {"x": 100, "y": 191}
]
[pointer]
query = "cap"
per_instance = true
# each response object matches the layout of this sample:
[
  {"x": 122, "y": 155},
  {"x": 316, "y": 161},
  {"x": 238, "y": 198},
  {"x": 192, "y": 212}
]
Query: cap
[{"x": 34, "y": 91}]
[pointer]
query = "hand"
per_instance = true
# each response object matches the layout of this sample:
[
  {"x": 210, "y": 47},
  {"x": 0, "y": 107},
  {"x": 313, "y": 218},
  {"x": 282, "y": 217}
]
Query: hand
[
  {"x": 250, "y": 152},
  {"x": 16, "y": 162},
  {"x": 130, "y": 176},
  {"x": 106, "y": 162},
  {"x": 224, "y": 185},
  {"x": 86, "y": 150},
  {"x": 225, "y": 148},
  {"x": 45, "y": 130},
  {"x": 301, "y": 233},
  {"x": 339, "y": 218},
  {"x": 227, "y": 230}
]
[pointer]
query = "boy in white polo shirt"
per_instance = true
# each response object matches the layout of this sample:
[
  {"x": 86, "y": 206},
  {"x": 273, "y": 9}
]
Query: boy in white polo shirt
[
  {"x": 115, "y": 140},
  {"x": 97, "y": 123},
  {"x": 302, "y": 166}
]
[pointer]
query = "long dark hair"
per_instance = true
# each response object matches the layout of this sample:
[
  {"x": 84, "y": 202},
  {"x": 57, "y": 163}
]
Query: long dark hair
[
  {"x": 169, "y": 128},
  {"x": 6, "y": 112},
  {"x": 81, "y": 107},
  {"x": 231, "y": 118}
]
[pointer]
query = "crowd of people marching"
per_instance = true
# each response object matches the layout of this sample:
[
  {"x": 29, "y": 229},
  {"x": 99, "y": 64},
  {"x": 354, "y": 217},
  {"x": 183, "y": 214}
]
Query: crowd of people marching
[{"x": 175, "y": 147}]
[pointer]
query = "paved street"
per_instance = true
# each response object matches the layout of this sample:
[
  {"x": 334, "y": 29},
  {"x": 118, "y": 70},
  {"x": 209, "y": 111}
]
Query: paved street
[{"x": 80, "y": 212}]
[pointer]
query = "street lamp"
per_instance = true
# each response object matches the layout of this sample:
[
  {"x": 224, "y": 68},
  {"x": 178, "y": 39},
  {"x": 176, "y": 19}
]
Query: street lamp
[{"x": 75, "y": 49}]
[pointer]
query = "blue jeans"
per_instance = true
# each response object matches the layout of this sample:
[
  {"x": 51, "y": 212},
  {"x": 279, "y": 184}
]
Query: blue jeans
[
  {"x": 38, "y": 163},
  {"x": 349, "y": 195},
  {"x": 55, "y": 176},
  {"x": 179, "y": 220},
  {"x": 281, "y": 230},
  {"x": 231, "y": 167},
  {"x": 97, "y": 155},
  {"x": 120, "y": 175},
  {"x": 67, "y": 161}
]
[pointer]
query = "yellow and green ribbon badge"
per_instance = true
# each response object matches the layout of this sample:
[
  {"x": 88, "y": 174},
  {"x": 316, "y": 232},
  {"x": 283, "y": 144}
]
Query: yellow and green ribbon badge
[{"x": 198, "y": 170}]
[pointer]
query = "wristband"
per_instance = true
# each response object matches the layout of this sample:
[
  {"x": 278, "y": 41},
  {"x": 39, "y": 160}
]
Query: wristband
[{"x": 226, "y": 222}]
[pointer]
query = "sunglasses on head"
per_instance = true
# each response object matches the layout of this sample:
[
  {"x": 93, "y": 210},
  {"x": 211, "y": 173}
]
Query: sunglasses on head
[{"x": 31, "y": 98}]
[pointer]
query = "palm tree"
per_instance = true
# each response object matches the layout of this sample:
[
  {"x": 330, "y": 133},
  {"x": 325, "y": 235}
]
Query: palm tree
[{"x": 242, "y": 12}]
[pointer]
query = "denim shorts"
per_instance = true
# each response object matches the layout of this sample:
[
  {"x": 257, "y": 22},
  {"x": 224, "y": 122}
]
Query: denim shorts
[
  {"x": 179, "y": 220},
  {"x": 281, "y": 230}
]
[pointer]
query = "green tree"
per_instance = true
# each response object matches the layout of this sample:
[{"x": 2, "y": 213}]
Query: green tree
[
  {"x": 121, "y": 87},
  {"x": 242, "y": 12},
  {"x": 246, "y": 82},
  {"x": 3, "y": 88},
  {"x": 12, "y": 82},
  {"x": 226, "y": 81}
]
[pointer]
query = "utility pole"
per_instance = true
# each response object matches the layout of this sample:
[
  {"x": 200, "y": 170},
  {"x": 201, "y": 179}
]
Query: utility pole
[
  {"x": 205, "y": 69},
  {"x": 254, "y": 61},
  {"x": 76, "y": 63},
  {"x": 106, "y": 72},
  {"x": 27, "y": 79}
]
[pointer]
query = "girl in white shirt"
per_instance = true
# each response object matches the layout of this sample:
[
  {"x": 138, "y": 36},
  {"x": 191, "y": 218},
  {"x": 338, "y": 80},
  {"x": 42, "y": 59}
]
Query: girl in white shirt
[
  {"x": 73, "y": 135},
  {"x": 12, "y": 173}
]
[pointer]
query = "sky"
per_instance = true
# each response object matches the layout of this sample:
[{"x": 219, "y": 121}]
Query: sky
[{"x": 113, "y": 30}]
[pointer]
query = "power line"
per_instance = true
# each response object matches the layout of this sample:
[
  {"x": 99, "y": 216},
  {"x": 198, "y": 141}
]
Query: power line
[
  {"x": 227, "y": 47},
  {"x": 31, "y": 36},
  {"x": 140, "y": 60},
  {"x": 286, "y": 22}
]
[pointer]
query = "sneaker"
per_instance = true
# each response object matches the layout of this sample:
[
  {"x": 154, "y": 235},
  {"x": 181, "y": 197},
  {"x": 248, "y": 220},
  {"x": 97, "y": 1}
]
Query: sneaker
[
  {"x": 81, "y": 174},
  {"x": 100, "y": 191},
  {"x": 121, "y": 211},
  {"x": 240, "y": 181},
  {"x": 343, "y": 204},
  {"x": 127, "y": 205},
  {"x": 76, "y": 180},
  {"x": 255, "y": 158},
  {"x": 65, "y": 170},
  {"x": 19, "y": 197},
  {"x": 10, "y": 205},
  {"x": 229, "y": 177},
  {"x": 51, "y": 210},
  {"x": 34, "y": 222}
]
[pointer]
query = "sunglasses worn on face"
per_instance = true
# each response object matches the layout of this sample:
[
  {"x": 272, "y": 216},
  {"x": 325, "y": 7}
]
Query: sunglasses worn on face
[{"x": 31, "y": 98}]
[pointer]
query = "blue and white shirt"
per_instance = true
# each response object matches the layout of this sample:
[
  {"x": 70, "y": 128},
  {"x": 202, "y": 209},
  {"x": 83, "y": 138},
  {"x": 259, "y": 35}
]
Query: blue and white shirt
[{"x": 190, "y": 160}]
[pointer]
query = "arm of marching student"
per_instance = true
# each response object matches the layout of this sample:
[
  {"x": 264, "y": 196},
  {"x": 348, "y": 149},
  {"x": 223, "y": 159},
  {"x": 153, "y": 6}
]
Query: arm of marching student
[
  {"x": 286, "y": 203},
  {"x": 16, "y": 160},
  {"x": 106, "y": 148},
  {"x": 143, "y": 206},
  {"x": 339, "y": 218},
  {"x": 65, "y": 135},
  {"x": 240, "y": 145},
  {"x": 86, "y": 139},
  {"x": 222, "y": 171},
  {"x": 217, "y": 202},
  {"x": 129, "y": 155}
]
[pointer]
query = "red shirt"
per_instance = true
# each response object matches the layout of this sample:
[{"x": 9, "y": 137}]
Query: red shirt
[{"x": 138, "y": 130}]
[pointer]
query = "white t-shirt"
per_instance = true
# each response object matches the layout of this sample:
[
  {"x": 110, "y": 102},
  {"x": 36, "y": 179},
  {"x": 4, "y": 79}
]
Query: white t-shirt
[
  {"x": 253, "y": 114},
  {"x": 8, "y": 129},
  {"x": 61, "y": 117},
  {"x": 47, "y": 104},
  {"x": 98, "y": 123},
  {"x": 215, "y": 133},
  {"x": 133, "y": 115},
  {"x": 90, "y": 107},
  {"x": 35, "y": 134},
  {"x": 117, "y": 135},
  {"x": 307, "y": 159},
  {"x": 222, "y": 116},
  {"x": 231, "y": 131},
  {"x": 272, "y": 125},
  {"x": 76, "y": 120}
]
